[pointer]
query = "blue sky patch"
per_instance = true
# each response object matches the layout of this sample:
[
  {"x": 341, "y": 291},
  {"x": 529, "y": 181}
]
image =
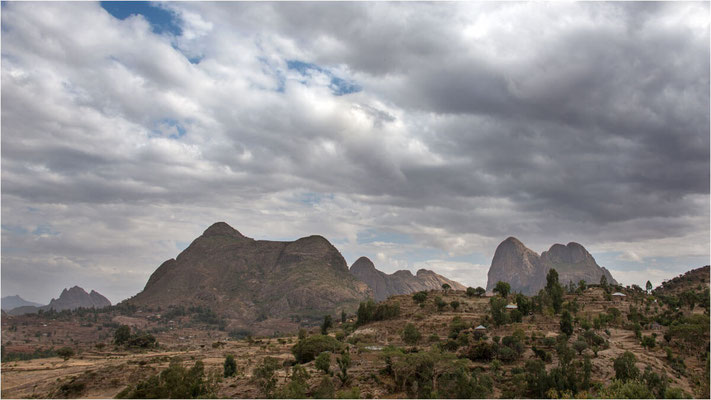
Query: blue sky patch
[
  {"x": 168, "y": 127},
  {"x": 338, "y": 85},
  {"x": 161, "y": 20},
  {"x": 312, "y": 198}
]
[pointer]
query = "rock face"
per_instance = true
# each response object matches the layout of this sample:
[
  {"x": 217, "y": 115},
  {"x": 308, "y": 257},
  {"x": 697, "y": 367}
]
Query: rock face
[
  {"x": 10, "y": 302},
  {"x": 400, "y": 282},
  {"x": 76, "y": 297},
  {"x": 246, "y": 280},
  {"x": 526, "y": 271}
]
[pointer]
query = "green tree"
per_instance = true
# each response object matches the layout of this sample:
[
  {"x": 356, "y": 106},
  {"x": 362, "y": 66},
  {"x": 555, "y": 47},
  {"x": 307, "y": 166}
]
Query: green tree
[
  {"x": 625, "y": 368},
  {"x": 297, "y": 386},
  {"x": 343, "y": 316},
  {"x": 419, "y": 297},
  {"x": 603, "y": 282},
  {"x": 502, "y": 288},
  {"x": 307, "y": 349},
  {"x": 498, "y": 311},
  {"x": 446, "y": 287},
  {"x": 580, "y": 346},
  {"x": 471, "y": 292},
  {"x": 323, "y": 362},
  {"x": 65, "y": 352},
  {"x": 410, "y": 334},
  {"x": 327, "y": 323},
  {"x": 649, "y": 286},
  {"x": 344, "y": 362},
  {"x": 582, "y": 285},
  {"x": 230, "y": 366},
  {"x": 554, "y": 290},
  {"x": 566, "y": 323},
  {"x": 454, "y": 304},
  {"x": 523, "y": 303},
  {"x": 122, "y": 334},
  {"x": 441, "y": 304},
  {"x": 264, "y": 377},
  {"x": 325, "y": 389}
]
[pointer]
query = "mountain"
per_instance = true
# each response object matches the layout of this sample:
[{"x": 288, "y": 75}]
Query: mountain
[
  {"x": 69, "y": 299},
  {"x": 526, "y": 271},
  {"x": 76, "y": 297},
  {"x": 246, "y": 280},
  {"x": 400, "y": 282},
  {"x": 10, "y": 302}
]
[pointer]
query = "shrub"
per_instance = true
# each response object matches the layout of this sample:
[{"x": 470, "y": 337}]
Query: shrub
[
  {"x": 325, "y": 389},
  {"x": 566, "y": 323},
  {"x": 65, "y": 352},
  {"x": 323, "y": 362},
  {"x": 230, "y": 366},
  {"x": 419, "y": 297},
  {"x": 502, "y": 288},
  {"x": 264, "y": 377},
  {"x": 454, "y": 304},
  {"x": 480, "y": 351},
  {"x": 307, "y": 349},
  {"x": 580, "y": 346},
  {"x": 649, "y": 342},
  {"x": 625, "y": 368},
  {"x": 175, "y": 382},
  {"x": 410, "y": 334},
  {"x": 507, "y": 354},
  {"x": 457, "y": 325},
  {"x": 297, "y": 386},
  {"x": 122, "y": 334},
  {"x": 441, "y": 304},
  {"x": 344, "y": 362}
]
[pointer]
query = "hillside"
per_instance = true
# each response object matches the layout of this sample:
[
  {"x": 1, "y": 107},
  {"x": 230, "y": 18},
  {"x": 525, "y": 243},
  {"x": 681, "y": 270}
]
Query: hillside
[
  {"x": 244, "y": 281},
  {"x": 694, "y": 280},
  {"x": 424, "y": 346},
  {"x": 69, "y": 299},
  {"x": 400, "y": 282},
  {"x": 526, "y": 271}
]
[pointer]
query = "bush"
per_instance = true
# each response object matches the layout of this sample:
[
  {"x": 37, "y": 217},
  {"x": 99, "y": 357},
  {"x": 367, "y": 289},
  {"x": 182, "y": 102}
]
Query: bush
[
  {"x": 297, "y": 386},
  {"x": 325, "y": 389},
  {"x": 580, "y": 346},
  {"x": 323, "y": 362},
  {"x": 230, "y": 366},
  {"x": 566, "y": 323},
  {"x": 502, "y": 288},
  {"x": 649, "y": 342},
  {"x": 441, "y": 304},
  {"x": 122, "y": 334},
  {"x": 264, "y": 377},
  {"x": 419, "y": 297},
  {"x": 625, "y": 368},
  {"x": 410, "y": 334},
  {"x": 454, "y": 304},
  {"x": 480, "y": 351},
  {"x": 175, "y": 382},
  {"x": 65, "y": 352},
  {"x": 457, "y": 325},
  {"x": 307, "y": 349}
]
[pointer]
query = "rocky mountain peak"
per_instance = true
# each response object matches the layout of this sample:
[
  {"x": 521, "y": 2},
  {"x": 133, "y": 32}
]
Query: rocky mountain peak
[
  {"x": 222, "y": 229},
  {"x": 76, "y": 297},
  {"x": 362, "y": 265}
]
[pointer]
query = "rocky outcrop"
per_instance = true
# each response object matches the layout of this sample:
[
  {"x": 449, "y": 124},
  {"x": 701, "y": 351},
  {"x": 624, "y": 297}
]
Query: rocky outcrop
[
  {"x": 400, "y": 282},
  {"x": 76, "y": 297},
  {"x": 526, "y": 271},
  {"x": 246, "y": 280}
]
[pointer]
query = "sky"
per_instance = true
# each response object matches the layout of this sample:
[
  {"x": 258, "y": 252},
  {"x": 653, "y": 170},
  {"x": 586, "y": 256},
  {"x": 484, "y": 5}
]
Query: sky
[{"x": 420, "y": 135}]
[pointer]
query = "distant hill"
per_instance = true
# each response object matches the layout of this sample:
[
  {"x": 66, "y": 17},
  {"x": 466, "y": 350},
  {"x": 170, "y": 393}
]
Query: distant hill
[
  {"x": 526, "y": 271},
  {"x": 247, "y": 280},
  {"x": 76, "y": 297},
  {"x": 69, "y": 299},
  {"x": 10, "y": 302},
  {"x": 401, "y": 282},
  {"x": 695, "y": 279}
]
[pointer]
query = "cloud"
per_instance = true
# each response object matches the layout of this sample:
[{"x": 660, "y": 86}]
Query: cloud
[{"x": 455, "y": 125}]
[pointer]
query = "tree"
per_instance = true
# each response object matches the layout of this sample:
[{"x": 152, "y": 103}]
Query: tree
[
  {"x": 582, "y": 285},
  {"x": 471, "y": 292},
  {"x": 419, "y": 297},
  {"x": 327, "y": 323},
  {"x": 603, "y": 282},
  {"x": 230, "y": 366},
  {"x": 122, "y": 334},
  {"x": 343, "y": 316},
  {"x": 554, "y": 290},
  {"x": 649, "y": 286},
  {"x": 65, "y": 352},
  {"x": 454, "y": 304},
  {"x": 625, "y": 368},
  {"x": 344, "y": 362},
  {"x": 566, "y": 323},
  {"x": 580, "y": 346},
  {"x": 410, "y": 334},
  {"x": 441, "y": 304},
  {"x": 551, "y": 279},
  {"x": 524, "y": 304},
  {"x": 502, "y": 288},
  {"x": 446, "y": 287},
  {"x": 307, "y": 349},
  {"x": 323, "y": 362},
  {"x": 264, "y": 377},
  {"x": 480, "y": 291},
  {"x": 498, "y": 313}
]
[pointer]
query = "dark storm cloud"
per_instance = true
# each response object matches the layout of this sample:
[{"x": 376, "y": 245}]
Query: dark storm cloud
[{"x": 474, "y": 121}]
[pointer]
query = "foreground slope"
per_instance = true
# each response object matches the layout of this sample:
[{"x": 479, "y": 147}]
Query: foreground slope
[
  {"x": 526, "y": 271},
  {"x": 247, "y": 280},
  {"x": 401, "y": 282}
]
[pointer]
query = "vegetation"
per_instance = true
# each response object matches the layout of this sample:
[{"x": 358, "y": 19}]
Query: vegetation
[
  {"x": 307, "y": 349},
  {"x": 368, "y": 311},
  {"x": 502, "y": 288},
  {"x": 230, "y": 366},
  {"x": 175, "y": 382},
  {"x": 410, "y": 334}
]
